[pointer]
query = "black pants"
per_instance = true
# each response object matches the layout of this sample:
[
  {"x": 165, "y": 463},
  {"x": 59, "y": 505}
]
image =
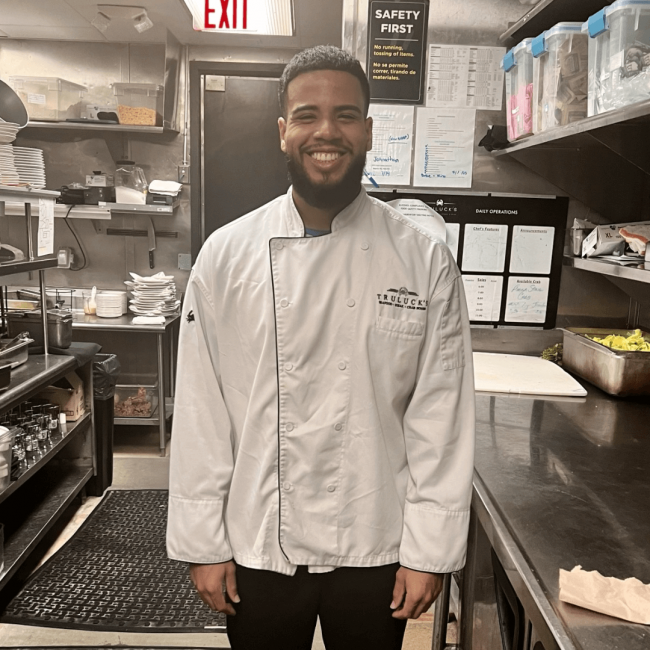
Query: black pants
[{"x": 278, "y": 612}]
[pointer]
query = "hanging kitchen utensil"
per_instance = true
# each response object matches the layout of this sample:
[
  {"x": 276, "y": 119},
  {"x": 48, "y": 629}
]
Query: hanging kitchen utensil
[
  {"x": 12, "y": 108},
  {"x": 152, "y": 242}
]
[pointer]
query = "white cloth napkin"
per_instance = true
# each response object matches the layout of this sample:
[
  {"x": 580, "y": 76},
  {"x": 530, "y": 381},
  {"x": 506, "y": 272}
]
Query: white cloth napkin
[
  {"x": 627, "y": 599},
  {"x": 172, "y": 188},
  {"x": 149, "y": 320}
]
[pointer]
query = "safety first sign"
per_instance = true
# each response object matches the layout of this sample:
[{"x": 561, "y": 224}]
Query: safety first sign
[{"x": 396, "y": 49}]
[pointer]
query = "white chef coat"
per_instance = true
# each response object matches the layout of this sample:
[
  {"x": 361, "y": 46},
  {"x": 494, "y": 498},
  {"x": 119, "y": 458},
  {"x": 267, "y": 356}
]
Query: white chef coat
[{"x": 324, "y": 410}]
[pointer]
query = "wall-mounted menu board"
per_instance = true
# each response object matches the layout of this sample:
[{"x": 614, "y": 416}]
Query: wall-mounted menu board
[{"x": 509, "y": 251}]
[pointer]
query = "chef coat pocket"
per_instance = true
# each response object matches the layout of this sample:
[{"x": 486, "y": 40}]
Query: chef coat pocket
[{"x": 408, "y": 329}]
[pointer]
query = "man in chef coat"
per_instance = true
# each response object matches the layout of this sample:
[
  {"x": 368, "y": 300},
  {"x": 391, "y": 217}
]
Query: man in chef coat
[{"x": 322, "y": 448}]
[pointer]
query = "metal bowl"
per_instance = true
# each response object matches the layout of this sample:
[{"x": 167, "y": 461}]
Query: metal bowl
[{"x": 12, "y": 108}]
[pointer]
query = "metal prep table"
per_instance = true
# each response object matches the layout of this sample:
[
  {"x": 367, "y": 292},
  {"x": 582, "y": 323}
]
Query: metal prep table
[
  {"x": 558, "y": 483},
  {"x": 165, "y": 352}
]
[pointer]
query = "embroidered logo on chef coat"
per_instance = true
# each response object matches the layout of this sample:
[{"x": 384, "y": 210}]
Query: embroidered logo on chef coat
[
  {"x": 402, "y": 298},
  {"x": 190, "y": 317}
]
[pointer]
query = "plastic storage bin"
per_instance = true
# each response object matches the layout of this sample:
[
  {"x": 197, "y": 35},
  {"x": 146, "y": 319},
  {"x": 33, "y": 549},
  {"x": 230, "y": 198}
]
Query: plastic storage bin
[
  {"x": 49, "y": 98},
  {"x": 619, "y": 55},
  {"x": 560, "y": 68},
  {"x": 518, "y": 66},
  {"x": 135, "y": 401},
  {"x": 139, "y": 104}
]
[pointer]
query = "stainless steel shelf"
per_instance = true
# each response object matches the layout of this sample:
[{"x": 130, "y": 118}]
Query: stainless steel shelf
[
  {"x": 89, "y": 126},
  {"x": 38, "y": 264},
  {"x": 36, "y": 373},
  {"x": 59, "y": 443},
  {"x": 637, "y": 272},
  {"x": 633, "y": 114},
  {"x": 140, "y": 209},
  {"x": 154, "y": 420},
  {"x": 10, "y": 193},
  {"x": 64, "y": 482},
  {"x": 547, "y": 13},
  {"x": 603, "y": 161}
]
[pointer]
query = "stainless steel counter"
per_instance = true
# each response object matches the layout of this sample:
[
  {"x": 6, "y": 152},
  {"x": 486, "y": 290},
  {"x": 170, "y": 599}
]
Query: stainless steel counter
[
  {"x": 570, "y": 480},
  {"x": 125, "y": 323}
]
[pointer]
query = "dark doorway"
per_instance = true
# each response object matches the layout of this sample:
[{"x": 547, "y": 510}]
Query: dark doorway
[{"x": 237, "y": 165}]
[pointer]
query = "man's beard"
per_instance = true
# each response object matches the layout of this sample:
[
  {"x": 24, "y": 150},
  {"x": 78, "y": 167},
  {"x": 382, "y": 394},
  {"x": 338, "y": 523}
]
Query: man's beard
[{"x": 327, "y": 195}]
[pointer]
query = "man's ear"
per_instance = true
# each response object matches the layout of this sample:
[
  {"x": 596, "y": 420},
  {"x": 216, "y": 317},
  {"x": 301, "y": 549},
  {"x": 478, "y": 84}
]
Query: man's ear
[
  {"x": 369, "y": 133},
  {"x": 282, "y": 127}
]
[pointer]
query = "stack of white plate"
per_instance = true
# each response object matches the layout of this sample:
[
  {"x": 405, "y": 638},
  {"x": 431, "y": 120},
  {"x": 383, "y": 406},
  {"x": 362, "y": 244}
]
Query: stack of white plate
[
  {"x": 8, "y": 171},
  {"x": 154, "y": 295},
  {"x": 110, "y": 304},
  {"x": 30, "y": 166},
  {"x": 8, "y": 132}
]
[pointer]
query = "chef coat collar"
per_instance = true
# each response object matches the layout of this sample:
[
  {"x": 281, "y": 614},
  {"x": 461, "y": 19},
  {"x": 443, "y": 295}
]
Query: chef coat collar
[{"x": 296, "y": 227}]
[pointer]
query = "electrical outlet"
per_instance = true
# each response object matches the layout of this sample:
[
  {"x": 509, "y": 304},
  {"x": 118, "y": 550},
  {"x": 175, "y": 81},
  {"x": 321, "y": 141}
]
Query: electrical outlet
[
  {"x": 184, "y": 261},
  {"x": 184, "y": 174}
]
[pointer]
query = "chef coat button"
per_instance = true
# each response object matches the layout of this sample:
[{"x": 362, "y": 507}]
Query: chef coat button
[
  {"x": 289, "y": 426},
  {"x": 338, "y": 426},
  {"x": 351, "y": 302},
  {"x": 331, "y": 488},
  {"x": 288, "y": 366},
  {"x": 279, "y": 245},
  {"x": 284, "y": 302},
  {"x": 287, "y": 486},
  {"x": 365, "y": 246},
  {"x": 342, "y": 365}
]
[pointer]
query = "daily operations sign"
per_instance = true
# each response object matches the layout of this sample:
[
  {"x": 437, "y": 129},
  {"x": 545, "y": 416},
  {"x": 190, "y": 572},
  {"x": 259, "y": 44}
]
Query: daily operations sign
[{"x": 396, "y": 49}]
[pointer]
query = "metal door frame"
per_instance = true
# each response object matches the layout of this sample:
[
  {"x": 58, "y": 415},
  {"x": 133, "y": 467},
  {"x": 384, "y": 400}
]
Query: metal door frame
[{"x": 198, "y": 70}]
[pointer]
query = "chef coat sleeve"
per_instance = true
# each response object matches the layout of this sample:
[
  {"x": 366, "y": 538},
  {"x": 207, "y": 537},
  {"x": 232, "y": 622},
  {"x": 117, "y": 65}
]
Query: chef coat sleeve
[
  {"x": 201, "y": 456},
  {"x": 439, "y": 429}
]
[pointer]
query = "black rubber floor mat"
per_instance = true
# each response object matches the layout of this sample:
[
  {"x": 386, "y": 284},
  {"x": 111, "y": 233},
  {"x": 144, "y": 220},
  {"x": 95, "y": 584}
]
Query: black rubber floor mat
[{"x": 114, "y": 574}]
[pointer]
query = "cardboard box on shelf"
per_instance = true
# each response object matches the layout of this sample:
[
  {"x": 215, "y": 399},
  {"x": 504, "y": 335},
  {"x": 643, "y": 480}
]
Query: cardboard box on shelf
[{"x": 68, "y": 394}]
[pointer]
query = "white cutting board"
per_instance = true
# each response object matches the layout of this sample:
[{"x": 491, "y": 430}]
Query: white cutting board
[{"x": 516, "y": 373}]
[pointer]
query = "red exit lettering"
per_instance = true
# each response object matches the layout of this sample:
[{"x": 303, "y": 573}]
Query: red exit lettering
[{"x": 228, "y": 19}]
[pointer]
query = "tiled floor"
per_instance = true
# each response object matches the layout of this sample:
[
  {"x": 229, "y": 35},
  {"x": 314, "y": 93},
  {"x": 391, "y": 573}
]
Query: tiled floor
[{"x": 137, "y": 465}]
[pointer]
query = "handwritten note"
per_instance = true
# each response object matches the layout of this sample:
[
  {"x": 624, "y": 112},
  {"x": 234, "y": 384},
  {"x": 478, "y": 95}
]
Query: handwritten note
[
  {"x": 526, "y": 300},
  {"x": 45, "y": 227},
  {"x": 389, "y": 160},
  {"x": 483, "y": 294},
  {"x": 484, "y": 249},
  {"x": 532, "y": 249},
  {"x": 444, "y": 147}
]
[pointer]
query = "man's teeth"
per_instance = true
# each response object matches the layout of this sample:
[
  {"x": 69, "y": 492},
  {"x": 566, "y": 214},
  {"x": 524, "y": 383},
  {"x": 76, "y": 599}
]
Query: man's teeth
[{"x": 325, "y": 157}]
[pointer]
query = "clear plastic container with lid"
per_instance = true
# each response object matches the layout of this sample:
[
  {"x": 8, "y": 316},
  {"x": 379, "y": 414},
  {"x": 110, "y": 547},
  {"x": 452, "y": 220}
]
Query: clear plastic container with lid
[
  {"x": 139, "y": 104},
  {"x": 49, "y": 98},
  {"x": 619, "y": 55},
  {"x": 518, "y": 66},
  {"x": 560, "y": 67}
]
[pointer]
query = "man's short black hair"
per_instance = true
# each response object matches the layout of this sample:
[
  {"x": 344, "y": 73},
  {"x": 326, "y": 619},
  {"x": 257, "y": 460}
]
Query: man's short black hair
[{"x": 322, "y": 57}]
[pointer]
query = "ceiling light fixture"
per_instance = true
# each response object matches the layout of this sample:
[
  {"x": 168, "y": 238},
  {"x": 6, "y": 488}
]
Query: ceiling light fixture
[{"x": 101, "y": 21}]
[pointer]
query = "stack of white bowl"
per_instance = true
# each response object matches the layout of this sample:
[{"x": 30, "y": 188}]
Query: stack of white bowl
[{"x": 110, "y": 304}]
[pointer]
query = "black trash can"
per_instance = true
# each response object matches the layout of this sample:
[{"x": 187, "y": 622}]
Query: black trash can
[{"x": 106, "y": 369}]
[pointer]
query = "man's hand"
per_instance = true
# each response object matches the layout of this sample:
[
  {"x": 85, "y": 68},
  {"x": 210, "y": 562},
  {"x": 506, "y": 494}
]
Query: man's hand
[
  {"x": 414, "y": 592},
  {"x": 209, "y": 580}
]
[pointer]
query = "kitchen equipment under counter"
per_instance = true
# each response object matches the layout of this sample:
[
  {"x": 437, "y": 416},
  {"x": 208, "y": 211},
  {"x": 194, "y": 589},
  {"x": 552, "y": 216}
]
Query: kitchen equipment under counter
[
  {"x": 165, "y": 354},
  {"x": 548, "y": 496}
]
